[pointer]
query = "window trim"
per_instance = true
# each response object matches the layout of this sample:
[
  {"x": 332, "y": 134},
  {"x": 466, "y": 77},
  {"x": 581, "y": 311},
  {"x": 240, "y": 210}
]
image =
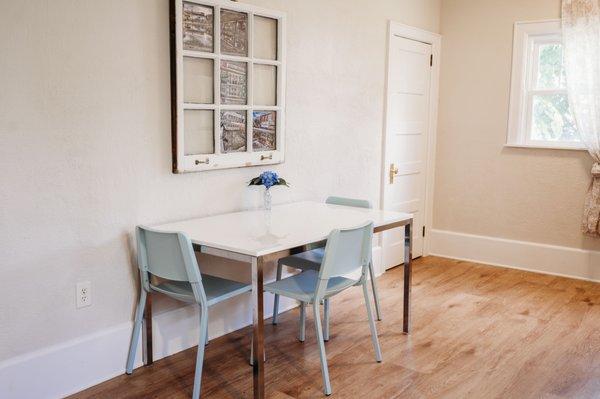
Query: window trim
[{"x": 523, "y": 73}]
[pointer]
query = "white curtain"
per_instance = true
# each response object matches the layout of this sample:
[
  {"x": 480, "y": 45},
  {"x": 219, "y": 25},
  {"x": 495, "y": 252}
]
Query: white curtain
[{"x": 581, "y": 37}]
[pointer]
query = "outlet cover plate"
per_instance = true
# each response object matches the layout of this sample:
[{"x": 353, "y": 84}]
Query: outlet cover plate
[{"x": 84, "y": 294}]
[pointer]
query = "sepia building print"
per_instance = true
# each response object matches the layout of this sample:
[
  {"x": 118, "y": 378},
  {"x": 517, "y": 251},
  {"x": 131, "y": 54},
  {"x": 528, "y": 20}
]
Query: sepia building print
[
  {"x": 234, "y": 77},
  {"x": 198, "y": 31},
  {"x": 234, "y": 33},
  {"x": 233, "y": 131}
]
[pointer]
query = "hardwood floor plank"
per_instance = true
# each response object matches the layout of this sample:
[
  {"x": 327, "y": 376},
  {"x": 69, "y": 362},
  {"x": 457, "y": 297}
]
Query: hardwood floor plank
[{"x": 478, "y": 332}]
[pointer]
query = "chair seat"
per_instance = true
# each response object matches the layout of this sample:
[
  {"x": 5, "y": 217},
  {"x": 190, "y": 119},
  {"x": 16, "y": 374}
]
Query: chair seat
[
  {"x": 302, "y": 286},
  {"x": 308, "y": 260},
  {"x": 217, "y": 289}
]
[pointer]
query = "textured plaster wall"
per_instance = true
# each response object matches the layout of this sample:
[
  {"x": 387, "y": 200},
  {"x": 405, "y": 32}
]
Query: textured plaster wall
[
  {"x": 86, "y": 148},
  {"x": 480, "y": 186}
]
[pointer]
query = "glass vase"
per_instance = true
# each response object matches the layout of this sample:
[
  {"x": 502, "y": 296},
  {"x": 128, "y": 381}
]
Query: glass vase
[{"x": 267, "y": 200}]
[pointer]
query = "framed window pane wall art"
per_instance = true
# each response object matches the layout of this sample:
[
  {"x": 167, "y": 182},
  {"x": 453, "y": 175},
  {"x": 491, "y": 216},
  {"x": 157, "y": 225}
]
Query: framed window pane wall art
[{"x": 227, "y": 85}]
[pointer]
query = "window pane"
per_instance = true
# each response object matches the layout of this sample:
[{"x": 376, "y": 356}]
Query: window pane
[
  {"x": 234, "y": 33},
  {"x": 551, "y": 73},
  {"x": 198, "y": 80},
  {"x": 552, "y": 119},
  {"x": 197, "y": 27},
  {"x": 265, "y": 38},
  {"x": 234, "y": 82},
  {"x": 198, "y": 132},
  {"x": 233, "y": 131},
  {"x": 265, "y": 84},
  {"x": 263, "y": 130}
]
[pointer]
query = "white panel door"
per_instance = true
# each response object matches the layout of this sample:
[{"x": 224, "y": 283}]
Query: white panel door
[{"x": 409, "y": 76}]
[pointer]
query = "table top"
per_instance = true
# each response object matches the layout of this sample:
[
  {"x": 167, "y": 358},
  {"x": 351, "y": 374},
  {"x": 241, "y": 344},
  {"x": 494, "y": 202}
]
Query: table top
[{"x": 259, "y": 232}]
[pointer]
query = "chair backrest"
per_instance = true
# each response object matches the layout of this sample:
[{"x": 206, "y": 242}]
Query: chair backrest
[
  {"x": 347, "y": 251},
  {"x": 358, "y": 203},
  {"x": 168, "y": 255}
]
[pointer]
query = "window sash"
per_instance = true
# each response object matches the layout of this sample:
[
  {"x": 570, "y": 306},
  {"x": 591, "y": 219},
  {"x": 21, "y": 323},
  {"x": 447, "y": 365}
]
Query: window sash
[
  {"x": 219, "y": 159},
  {"x": 529, "y": 122},
  {"x": 534, "y": 60}
]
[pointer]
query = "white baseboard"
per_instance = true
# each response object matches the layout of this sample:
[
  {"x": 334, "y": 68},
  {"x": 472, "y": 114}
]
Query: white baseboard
[
  {"x": 541, "y": 258},
  {"x": 64, "y": 369},
  {"x": 70, "y": 367}
]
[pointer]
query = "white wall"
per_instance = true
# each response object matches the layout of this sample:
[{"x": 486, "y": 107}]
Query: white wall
[
  {"x": 531, "y": 196},
  {"x": 86, "y": 149}
]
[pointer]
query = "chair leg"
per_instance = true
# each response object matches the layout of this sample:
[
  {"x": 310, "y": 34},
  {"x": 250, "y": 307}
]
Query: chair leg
[
  {"x": 302, "y": 324},
  {"x": 322, "y": 354},
  {"x": 135, "y": 336},
  {"x": 374, "y": 338},
  {"x": 375, "y": 293},
  {"x": 276, "y": 302},
  {"x": 326, "y": 321},
  {"x": 206, "y": 334},
  {"x": 200, "y": 355}
]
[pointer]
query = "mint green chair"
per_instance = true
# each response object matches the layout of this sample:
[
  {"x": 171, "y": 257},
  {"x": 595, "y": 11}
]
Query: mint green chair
[
  {"x": 311, "y": 260},
  {"x": 169, "y": 256},
  {"x": 348, "y": 251}
]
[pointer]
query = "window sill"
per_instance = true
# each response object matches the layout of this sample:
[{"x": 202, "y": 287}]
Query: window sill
[{"x": 545, "y": 147}]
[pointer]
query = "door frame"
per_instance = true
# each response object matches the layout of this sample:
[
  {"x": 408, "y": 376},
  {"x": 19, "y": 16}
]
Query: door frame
[{"x": 435, "y": 40}]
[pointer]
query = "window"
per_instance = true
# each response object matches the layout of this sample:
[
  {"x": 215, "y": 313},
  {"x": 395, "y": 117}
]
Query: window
[
  {"x": 539, "y": 107},
  {"x": 228, "y": 85}
]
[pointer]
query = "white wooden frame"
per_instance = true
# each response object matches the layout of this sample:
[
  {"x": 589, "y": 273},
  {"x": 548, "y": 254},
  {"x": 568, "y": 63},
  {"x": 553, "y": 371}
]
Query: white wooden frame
[
  {"x": 435, "y": 40},
  {"x": 200, "y": 162},
  {"x": 528, "y": 36}
]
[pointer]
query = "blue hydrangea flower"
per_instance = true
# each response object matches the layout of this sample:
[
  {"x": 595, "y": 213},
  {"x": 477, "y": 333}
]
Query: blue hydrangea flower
[{"x": 269, "y": 179}]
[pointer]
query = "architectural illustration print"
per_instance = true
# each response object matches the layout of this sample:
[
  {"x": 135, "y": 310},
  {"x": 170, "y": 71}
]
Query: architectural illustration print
[
  {"x": 233, "y": 131},
  {"x": 234, "y": 78},
  {"x": 198, "y": 31},
  {"x": 234, "y": 33},
  {"x": 264, "y": 137}
]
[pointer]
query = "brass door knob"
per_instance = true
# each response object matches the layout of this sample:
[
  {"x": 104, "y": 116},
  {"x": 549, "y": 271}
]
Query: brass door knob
[{"x": 393, "y": 172}]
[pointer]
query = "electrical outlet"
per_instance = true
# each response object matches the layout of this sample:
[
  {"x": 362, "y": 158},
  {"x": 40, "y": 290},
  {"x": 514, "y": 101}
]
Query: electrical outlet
[{"x": 84, "y": 294}]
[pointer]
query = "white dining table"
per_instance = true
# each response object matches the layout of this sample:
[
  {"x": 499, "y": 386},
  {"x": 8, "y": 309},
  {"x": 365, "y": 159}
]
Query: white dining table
[{"x": 260, "y": 236}]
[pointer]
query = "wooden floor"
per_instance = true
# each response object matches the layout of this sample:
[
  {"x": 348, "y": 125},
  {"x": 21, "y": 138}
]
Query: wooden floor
[{"x": 478, "y": 332}]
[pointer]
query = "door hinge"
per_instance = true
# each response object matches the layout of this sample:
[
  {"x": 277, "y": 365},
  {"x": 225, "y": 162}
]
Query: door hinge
[
  {"x": 431, "y": 60},
  {"x": 423, "y": 231}
]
